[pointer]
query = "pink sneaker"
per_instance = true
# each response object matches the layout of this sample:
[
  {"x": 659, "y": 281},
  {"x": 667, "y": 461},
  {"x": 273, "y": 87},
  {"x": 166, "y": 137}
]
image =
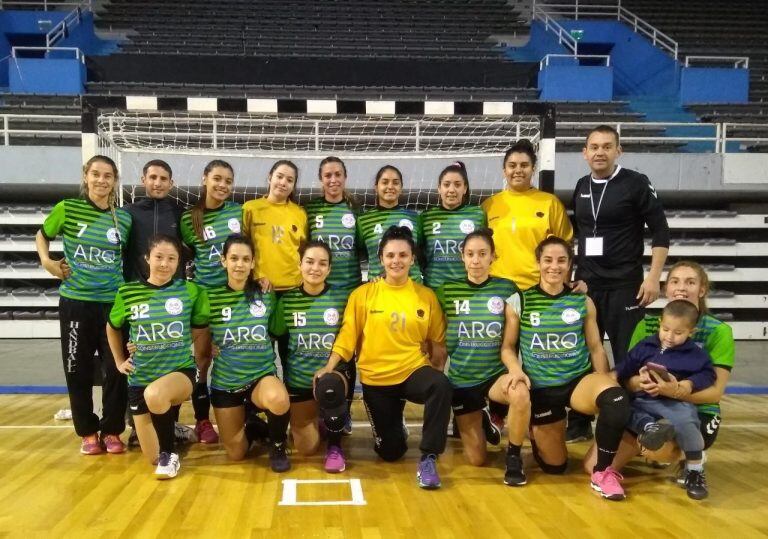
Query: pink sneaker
[
  {"x": 205, "y": 432},
  {"x": 113, "y": 443},
  {"x": 334, "y": 460},
  {"x": 608, "y": 485},
  {"x": 91, "y": 445}
]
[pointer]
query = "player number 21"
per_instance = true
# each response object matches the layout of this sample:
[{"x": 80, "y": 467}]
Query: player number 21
[{"x": 397, "y": 322}]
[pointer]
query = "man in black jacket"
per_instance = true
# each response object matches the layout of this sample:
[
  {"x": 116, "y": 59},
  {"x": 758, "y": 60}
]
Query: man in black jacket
[
  {"x": 611, "y": 207},
  {"x": 155, "y": 214}
]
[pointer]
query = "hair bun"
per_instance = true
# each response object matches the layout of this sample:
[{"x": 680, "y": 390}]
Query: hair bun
[{"x": 459, "y": 164}]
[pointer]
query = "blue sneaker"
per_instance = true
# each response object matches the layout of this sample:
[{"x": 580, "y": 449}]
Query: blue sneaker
[
  {"x": 347, "y": 431},
  {"x": 427, "y": 473}
]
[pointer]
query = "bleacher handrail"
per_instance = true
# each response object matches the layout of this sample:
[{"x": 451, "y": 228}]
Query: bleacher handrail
[
  {"x": 617, "y": 11},
  {"x": 563, "y": 36},
  {"x": 7, "y": 131},
  {"x": 545, "y": 61},
  {"x": 78, "y": 53},
  {"x": 45, "y": 5},
  {"x": 61, "y": 30},
  {"x": 737, "y": 61}
]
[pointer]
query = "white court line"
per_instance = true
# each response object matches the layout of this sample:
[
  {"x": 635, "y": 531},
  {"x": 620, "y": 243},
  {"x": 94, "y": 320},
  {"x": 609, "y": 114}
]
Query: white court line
[{"x": 290, "y": 486}]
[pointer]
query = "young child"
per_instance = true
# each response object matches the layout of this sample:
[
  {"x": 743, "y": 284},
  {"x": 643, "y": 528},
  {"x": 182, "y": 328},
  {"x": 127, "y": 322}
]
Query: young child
[{"x": 657, "y": 419}]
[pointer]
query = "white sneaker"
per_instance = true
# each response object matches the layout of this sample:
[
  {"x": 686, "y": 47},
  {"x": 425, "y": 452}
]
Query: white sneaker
[{"x": 168, "y": 465}]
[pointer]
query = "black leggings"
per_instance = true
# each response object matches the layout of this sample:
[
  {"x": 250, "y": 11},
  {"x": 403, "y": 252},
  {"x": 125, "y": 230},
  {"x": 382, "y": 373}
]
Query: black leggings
[
  {"x": 384, "y": 404},
  {"x": 83, "y": 333}
]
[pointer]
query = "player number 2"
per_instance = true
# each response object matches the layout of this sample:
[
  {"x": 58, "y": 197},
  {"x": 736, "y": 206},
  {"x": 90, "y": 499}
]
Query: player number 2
[{"x": 436, "y": 228}]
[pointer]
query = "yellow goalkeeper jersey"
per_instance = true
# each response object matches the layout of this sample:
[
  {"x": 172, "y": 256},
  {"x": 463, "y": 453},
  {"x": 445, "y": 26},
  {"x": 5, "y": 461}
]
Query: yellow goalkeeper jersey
[
  {"x": 276, "y": 231},
  {"x": 386, "y": 326},
  {"x": 520, "y": 221}
]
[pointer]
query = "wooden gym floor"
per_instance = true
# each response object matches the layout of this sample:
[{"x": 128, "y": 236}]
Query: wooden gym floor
[{"x": 47, "y": 489}]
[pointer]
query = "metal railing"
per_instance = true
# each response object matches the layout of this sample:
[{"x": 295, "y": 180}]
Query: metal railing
[
  {"x": 61, "y": 30},
  {"x": 545, "y": 61},
  {"x": 218, "y": 131},
  {"x": 45, "y": 5},
  {"x": 564, "y": 37},
  {"x": 78, "y": 53},
  {"x": 639, "y": 25},
  {"x": 7, "y": 131},
  {"x": 737, "y": 61}
]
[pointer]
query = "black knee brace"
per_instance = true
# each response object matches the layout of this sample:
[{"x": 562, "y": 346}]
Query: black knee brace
[
  {"x": 330, "y": 395},
  {"x": 551, "y": 469},
  {"x": 614, "y": 406}
]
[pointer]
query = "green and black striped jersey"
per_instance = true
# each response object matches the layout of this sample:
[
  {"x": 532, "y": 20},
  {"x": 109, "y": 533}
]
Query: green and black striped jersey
[
  {"x": 442, "y": 234},
  {"x": 93, "y": 239},
  {"x": 371, "y": 226},
  {"x": 160, "y": 320},
  {"x": 476, "y": 315},
  {"x": 240, "y": 330},
  {"x": 312, "y": 323},
  {"x": 218, "y": 224},
  {"x": 552, "y": 343},
  {"x": 334, "y": 223}
]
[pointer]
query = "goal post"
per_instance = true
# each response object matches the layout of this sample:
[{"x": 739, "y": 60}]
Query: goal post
[{"x": 420, "y": 145}]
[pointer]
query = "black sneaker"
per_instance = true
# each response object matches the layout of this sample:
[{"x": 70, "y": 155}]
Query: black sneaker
[
  {"x": 579, "y": 430},
  {"x": 696, "y": 484},
  {"x": 492, "y": 432},
  {"x": 278, "y": 458},
  {"x": 514, "y": 476},
  {"x": 656, "y": 435}
]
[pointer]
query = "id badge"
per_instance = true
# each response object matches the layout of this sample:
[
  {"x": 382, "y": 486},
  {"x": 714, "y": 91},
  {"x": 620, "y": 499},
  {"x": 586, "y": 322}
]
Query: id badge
[{"x": 594, "y": 246}]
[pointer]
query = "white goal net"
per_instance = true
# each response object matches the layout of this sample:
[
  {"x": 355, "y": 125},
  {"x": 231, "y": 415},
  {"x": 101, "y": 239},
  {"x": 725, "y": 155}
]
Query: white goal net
[{"x": 419, "y": 146}]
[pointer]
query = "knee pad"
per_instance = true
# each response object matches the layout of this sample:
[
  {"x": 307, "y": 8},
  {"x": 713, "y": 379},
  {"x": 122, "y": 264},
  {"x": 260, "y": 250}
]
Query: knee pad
[
  {"x": 614, "y": 406},
  {"x": 332, "y": 400},
  {"x": 551, "y": 469}
]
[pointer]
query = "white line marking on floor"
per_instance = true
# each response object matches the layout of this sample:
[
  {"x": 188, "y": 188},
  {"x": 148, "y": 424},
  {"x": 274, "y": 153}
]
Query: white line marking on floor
[{"x": 290, "y": 487}]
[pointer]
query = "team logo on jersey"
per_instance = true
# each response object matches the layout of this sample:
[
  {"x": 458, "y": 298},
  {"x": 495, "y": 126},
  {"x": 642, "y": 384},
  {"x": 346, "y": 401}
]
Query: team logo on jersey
[
  {"x": 348, "y": 220},
  {"x": 405, "y": 222},
  {"x": 174, "y": 306},
  {"x": 467, "y": 226},
  {"x": 496, "y": 305},
  {"x": 331, "y": 317},
  {"x": 234, "y": 225},
  {"x": 113, "y": 235},
  {"x": 570, "y": 316},
  {"x": 258, "y": 309}
]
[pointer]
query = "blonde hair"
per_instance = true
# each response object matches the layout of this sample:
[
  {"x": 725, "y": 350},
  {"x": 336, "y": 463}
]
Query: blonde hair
[{"x": 700, "y": 273}]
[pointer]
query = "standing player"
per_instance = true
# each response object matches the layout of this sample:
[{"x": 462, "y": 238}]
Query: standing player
[
  {"x": 332, "y": 219},
  {"x": 390, "y": 322},
  {"x": 521, "y": 216},
  {"x": 90, "y": 273},
  {"x": 372, "y": 224},
  {"x": 481, "y": 367},
  {"x": 612, "y": 205},
  {"x": 311, "y": 315},
  {"x": 277, "y": 226},
  {"x": 563, "y": 356},
  {"x": 164, "y": 317},
  {"x": 244, "y": 370},
  {"x": 204, "y": 228},
  {"x": 443, "y": 227}
]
